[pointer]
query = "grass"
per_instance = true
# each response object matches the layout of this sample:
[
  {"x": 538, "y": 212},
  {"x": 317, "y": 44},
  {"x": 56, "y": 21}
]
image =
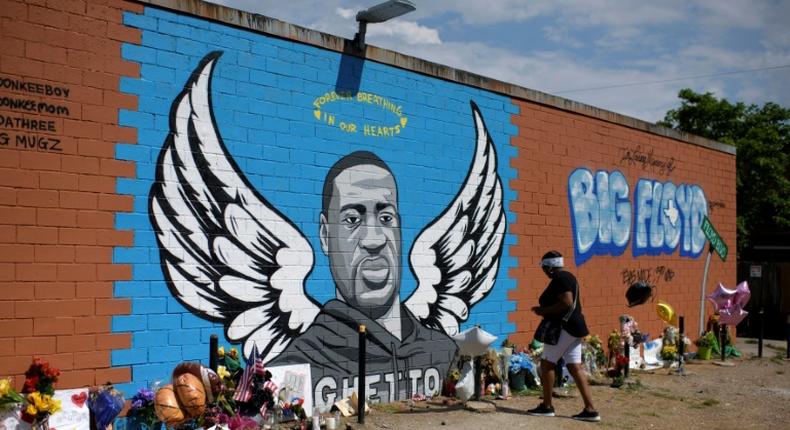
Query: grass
[
  {"x": 387, "y": 408},
  {"x": 710, "y": 402},
  {"x": 663, "y": 393}
]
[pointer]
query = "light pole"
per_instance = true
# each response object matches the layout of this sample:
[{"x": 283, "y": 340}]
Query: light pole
[{"x": 379, "y": 13}]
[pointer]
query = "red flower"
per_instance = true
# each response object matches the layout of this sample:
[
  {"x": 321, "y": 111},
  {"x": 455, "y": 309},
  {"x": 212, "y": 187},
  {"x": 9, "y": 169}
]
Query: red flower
[
  {"x": 30, "y": 384},
  {"x": 621, "y": 360}
]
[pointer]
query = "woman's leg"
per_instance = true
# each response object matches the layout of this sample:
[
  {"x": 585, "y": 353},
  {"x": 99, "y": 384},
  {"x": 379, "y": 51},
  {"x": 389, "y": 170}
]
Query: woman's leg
[
  {"x": 580, "y": 377},
  {"x": 547, "y": 380}
]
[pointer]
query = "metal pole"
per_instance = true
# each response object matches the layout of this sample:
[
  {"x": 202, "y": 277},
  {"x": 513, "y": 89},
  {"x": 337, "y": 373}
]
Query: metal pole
[
  {"x": 723, "y": 340},
  {"x": 702, "y": 292},
  {"x": 213, "y": 340},
  {"x": 477, "y": 375},
  {"x": 761, "y": 315},
  {"x": 787, "y": 334},
  {"x": 361, "y": 380},
  {"x": 627, "y": 354},
  {"x": 681, "y": 343}
]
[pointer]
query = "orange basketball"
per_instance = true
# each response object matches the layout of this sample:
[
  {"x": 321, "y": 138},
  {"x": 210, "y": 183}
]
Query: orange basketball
[
  {"x": 166, "y": 406},
  {"x": 191, "y": 394}
]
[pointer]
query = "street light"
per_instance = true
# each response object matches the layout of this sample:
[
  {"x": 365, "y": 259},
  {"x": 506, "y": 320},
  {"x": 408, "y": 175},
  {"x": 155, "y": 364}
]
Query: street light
[{"x": 379, "y": 13}]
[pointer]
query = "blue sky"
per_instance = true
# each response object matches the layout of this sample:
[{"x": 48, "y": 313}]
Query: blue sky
[{"x": 570, "y": 48}]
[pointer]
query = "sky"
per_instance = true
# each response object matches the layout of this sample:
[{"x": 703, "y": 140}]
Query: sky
[{"x": 612, "y": 54}]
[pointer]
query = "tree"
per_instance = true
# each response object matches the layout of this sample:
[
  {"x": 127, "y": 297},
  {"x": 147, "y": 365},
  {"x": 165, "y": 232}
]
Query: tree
[{"x": 761, "y": 136}]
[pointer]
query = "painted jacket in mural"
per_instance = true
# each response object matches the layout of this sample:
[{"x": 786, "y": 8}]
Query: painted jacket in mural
[{"x": 396, "y": 369}]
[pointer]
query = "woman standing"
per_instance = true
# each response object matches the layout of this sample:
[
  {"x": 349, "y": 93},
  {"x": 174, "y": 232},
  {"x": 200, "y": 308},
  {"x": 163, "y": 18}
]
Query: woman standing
[{"x": 557, "y": 300}]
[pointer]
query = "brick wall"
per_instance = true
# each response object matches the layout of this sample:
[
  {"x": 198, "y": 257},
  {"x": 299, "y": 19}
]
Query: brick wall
[
  {"x": 57, "y": 185},
  {"x": 81, "y": 276},
  {"x": 552, "y": 144}
]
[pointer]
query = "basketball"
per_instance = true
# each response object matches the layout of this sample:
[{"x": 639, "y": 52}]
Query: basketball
[
  {"x": 191, "y": 394},
  {"x": 166, "y": 406}
]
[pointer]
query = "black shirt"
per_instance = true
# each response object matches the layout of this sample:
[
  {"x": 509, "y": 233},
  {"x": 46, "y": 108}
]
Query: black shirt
[{"x": 562, "y": 282}]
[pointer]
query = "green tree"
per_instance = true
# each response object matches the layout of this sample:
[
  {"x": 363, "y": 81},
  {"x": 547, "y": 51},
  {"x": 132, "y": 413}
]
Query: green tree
[{"x": 761, "y": 136}]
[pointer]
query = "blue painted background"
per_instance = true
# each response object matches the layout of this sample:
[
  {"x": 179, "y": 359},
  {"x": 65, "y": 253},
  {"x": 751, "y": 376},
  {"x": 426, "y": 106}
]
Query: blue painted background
[{"x": 263, "y": 92}]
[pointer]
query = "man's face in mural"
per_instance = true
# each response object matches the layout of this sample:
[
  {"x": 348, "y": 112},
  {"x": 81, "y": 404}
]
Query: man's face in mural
[{"x": 360, "y": 233}]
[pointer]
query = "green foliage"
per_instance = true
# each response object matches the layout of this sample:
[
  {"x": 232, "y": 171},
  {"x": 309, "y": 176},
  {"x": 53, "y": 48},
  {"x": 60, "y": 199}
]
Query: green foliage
[{"x": 761, "y": 136}]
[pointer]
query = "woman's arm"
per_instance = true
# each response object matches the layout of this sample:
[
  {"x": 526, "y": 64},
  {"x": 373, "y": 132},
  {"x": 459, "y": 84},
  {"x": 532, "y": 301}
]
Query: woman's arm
[{"x": 558, "y": 309}]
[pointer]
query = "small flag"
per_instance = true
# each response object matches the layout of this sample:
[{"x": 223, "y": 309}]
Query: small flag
[{"x": 244, "y": 389}]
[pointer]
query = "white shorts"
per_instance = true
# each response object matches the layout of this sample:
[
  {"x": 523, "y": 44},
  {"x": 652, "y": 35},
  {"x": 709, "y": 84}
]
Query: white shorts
[{"x": 568, "y": 347}]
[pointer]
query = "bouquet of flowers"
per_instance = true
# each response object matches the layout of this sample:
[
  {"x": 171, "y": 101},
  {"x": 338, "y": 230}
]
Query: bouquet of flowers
[
  {"x": 616, "y": 373},
  {"x": 39, "y": 387},
  {"x": 142, "y": 408},
  {"x": 521, "y": 361},
  {"x": 593, "y": 356},
  {"x": 9, "y": 398},
  {"x": 105, "y": 403},
  {"x": 231, "y": 362},
  {"x": 669, "y": 352},
  {"x": 706, "y": 340}
]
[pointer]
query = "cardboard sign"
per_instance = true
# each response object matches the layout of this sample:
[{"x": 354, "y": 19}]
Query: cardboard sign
[
  {"x": 294, "y": 380},
  {"x": 74, "y": 414}
]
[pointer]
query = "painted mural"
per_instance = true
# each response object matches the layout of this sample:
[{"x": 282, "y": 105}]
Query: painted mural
[
  {"x": 229, "y": 256},
  {"x": 663, "y": 218}
]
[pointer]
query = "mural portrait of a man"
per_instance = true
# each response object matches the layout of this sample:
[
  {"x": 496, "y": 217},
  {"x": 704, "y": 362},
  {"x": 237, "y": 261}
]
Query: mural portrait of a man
[
  {"x": 229, "y": 256},
  {"x": 361, "y": 234}
]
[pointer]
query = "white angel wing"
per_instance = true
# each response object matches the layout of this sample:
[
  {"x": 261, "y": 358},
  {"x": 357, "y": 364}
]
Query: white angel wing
[
  {"x": 227, "y": 254},
  {"x": 455, "y": 259}
]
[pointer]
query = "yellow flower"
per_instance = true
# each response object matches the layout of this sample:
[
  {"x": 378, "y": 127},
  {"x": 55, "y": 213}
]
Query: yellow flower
[
  {"x": 5, "y": 387},
  {"x": 234, "y": 352},
  {"x": 54, "y": 406},
  {"x": 34, "y": 398},
  {"x": 223, "y": 372},
  {"x": 221, "y": 352},
  {"x": 31, "y": 410}
]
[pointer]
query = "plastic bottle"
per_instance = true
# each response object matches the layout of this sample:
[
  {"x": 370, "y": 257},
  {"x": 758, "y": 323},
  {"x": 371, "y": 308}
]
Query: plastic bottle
[{"x": 316, "y": 418}]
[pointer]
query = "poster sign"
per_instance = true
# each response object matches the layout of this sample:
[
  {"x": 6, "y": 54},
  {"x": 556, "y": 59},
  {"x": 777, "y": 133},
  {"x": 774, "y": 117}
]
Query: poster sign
[
  {"x": 756, "y": 271},
  {"x": 294, "y": 380},
  {"x": 74, "y": 413}
]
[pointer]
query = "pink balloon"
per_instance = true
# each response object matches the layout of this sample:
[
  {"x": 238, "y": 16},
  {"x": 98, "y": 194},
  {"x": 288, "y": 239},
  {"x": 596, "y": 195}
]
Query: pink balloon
[
  {"x": 729, "y": 303},
  {"x": 742, "y": 294},
  {"x": 732, "y": 316},
  {"x": 721, "y": 297}
]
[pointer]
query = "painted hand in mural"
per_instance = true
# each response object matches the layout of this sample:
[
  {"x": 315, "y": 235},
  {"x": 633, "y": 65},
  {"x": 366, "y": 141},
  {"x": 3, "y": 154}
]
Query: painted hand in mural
[{"x": 229, "y": 256}]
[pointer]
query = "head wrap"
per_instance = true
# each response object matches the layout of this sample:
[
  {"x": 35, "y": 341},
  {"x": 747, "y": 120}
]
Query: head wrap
[{"x": 552, "y": 262}]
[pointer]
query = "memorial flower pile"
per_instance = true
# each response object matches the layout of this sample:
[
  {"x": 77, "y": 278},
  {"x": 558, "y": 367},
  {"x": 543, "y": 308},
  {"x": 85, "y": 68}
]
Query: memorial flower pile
[
  {"x": 142, "y": 408},
  {"x": 106, "y": 403},
  {"x": 9, "y": 398},
  {"x": 39, "y": 388}
]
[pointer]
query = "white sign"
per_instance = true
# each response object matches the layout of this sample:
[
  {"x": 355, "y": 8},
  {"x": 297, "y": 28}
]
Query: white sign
[
  {"x": 74, "y": 413},
  {"x": 756, "y": 271},
  {"x": 294, "y": 380}
]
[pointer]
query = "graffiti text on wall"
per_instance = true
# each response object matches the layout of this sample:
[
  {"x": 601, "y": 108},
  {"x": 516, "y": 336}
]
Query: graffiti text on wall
[
  {"x": 713, "y": 204},
  {"x": 665, "y": 216},
  {"x": 372, "y": 130},
  {"x": 651, "y": 275},
  {"x": 637, "y": 157},
  {"x": 21, "y": 132}
]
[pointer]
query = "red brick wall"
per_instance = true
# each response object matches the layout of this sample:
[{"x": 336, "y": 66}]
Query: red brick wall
[
  {"x": 57, "y": 200},
  {"x": 553, "y": 143}
]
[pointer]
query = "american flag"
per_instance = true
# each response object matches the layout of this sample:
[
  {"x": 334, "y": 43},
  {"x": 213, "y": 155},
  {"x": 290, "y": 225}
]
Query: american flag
[{"x": 244, "y": 389}]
